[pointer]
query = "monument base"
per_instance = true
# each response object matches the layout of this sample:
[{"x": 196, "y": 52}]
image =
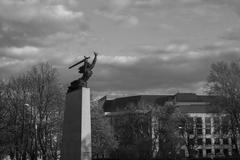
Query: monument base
[{"x": 77, "y": 126}]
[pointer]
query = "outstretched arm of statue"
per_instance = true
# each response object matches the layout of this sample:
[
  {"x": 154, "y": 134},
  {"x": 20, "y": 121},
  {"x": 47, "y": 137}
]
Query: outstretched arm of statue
[{"x": 94, "y": 60}]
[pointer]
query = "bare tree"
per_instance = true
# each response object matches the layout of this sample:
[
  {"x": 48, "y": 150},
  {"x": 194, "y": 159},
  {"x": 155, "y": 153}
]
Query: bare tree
[
  {"x": 103, "y": 140},
  {"x": 34, "y": 103},
  {"x": 148, "y": 131},
  {"x": 5, "y": 134},
  {"x": 188, "y": 133},
  {"x": 133, "y": 130},
  {"x": 47, "y": 98},
  {"x": 166, "y": 131},
  {"x": 16, "y": 95},
  {"x": 224, "y": 83}
]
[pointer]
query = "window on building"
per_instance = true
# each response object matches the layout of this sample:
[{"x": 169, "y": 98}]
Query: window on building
[
  {"x": 208, "y": 130},
  {"x": 225, "y": 140},
  {"x": 225, "y": 124},
  {"x": 199, "y": 122},
  {"x": 199, "y": 141},
  {"x": 216, "y": 123},
  {"x": 199, "y": 126},
  {"x": 191, "y": 128},
  {"x": 208, "y": 151},
  {"x": 217, "y": 141},
  {"x": 234, "y": 152},
  {"x": 199, "y": 131},
  {"x": 208, "y": 141},
  {"x": 225, "y": 130},
  {"x": 225, "y": 152},
  {"x": 208, "y": 120},
  {"x": 190, "y": 125},
  {"x": 216, "y": 120},
  {"x": 217, "y": 151},
  {"x": 216, "y": 129},
  {"x": 208, "y": 125},
  {"x": 200, "y": 153},
  {"x": 191, "y": 131},
  {"x": 191, "y": 141}
]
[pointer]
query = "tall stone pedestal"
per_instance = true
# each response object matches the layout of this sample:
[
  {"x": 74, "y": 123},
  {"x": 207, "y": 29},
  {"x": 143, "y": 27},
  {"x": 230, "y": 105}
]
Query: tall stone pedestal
[{"x": 77, "y": 126}]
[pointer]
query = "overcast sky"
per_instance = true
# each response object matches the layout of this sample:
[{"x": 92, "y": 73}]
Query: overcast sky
[{"x": 144, "y": 46}]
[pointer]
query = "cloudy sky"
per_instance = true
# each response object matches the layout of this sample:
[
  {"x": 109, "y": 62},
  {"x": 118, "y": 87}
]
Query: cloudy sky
[{"x": 145, "y": 46}]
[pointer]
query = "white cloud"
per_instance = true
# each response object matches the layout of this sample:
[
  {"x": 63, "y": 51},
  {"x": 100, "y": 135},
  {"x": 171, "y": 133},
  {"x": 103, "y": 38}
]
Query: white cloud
[
  {"x": 39, "y": 24},
  {"x": 147, "y": 3},
  {"x": 4, "y": 62},
  {"x": 181, "y": 51},
  {"x": 231, "y": 34},
  {"x": 184, "y": 71},
  {"x": 37, "y": 18},
  {"x": 118, "y": 11},
  {"x": 177, "y": 47},
  {"x": 126, "y": 20},
  {"x": 231, "y": 4},
  {"x": 60, "y": 11},
  {"x": 132, "y": 20},
  {"x": 23, "y": 51},
  {"x": 20, "y": 53},
  {"x": 119, "y": 4},
  {"x": 167, "y": 53},
  {"x": 25, "y": 11},
  {"x": 125, "y": 60}
]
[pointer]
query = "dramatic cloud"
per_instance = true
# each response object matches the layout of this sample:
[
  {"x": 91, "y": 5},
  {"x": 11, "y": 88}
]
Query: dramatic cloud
[
  {"x": 19, "y": 53},
  {"x": 31, "y": 21},
  {"x": 115, "y": 10},
  {"x": 232, "y": 34},
  {"x": 145, "y": 46},
  {"x": 29, "y": 29},
  {"x": 231, "y": 4},
  {"x": 178, "y": 71},
  {"x": 126, "y": 20}
]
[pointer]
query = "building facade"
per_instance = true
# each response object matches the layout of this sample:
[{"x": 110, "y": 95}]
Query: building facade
[{"x": 206, "y": 131}]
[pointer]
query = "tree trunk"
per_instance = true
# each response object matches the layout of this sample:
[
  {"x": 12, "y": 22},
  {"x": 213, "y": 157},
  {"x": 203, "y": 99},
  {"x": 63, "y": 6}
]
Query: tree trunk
[
  {"x": 235, "y": 144},
  {"x": 24, "y": 156},
  {"x": 12, "y": 155},
  {"x": 234, "y": 134},
  {"x": 33, "y": 156}
]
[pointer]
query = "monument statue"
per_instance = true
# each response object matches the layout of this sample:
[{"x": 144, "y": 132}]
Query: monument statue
[
  {"x": 76, "y": 140},
  {"x": 85, "y": 70}
]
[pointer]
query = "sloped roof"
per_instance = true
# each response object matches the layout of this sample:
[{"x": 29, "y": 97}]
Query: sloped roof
[
  {"x": 197, "y": 109},
  {"x": 155, "y": 99},
  {"x": 111, "y": 105},
  {"x": 121, "y": 103},
  {"x": 192, "y": 97}
]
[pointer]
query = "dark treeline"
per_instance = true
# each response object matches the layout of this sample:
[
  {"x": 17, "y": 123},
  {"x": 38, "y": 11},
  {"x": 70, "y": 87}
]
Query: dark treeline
[
  {"x": 31, "y": 117},
  {"x": 224, "y": 83},
  {"x": 31, "y": 108}
]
